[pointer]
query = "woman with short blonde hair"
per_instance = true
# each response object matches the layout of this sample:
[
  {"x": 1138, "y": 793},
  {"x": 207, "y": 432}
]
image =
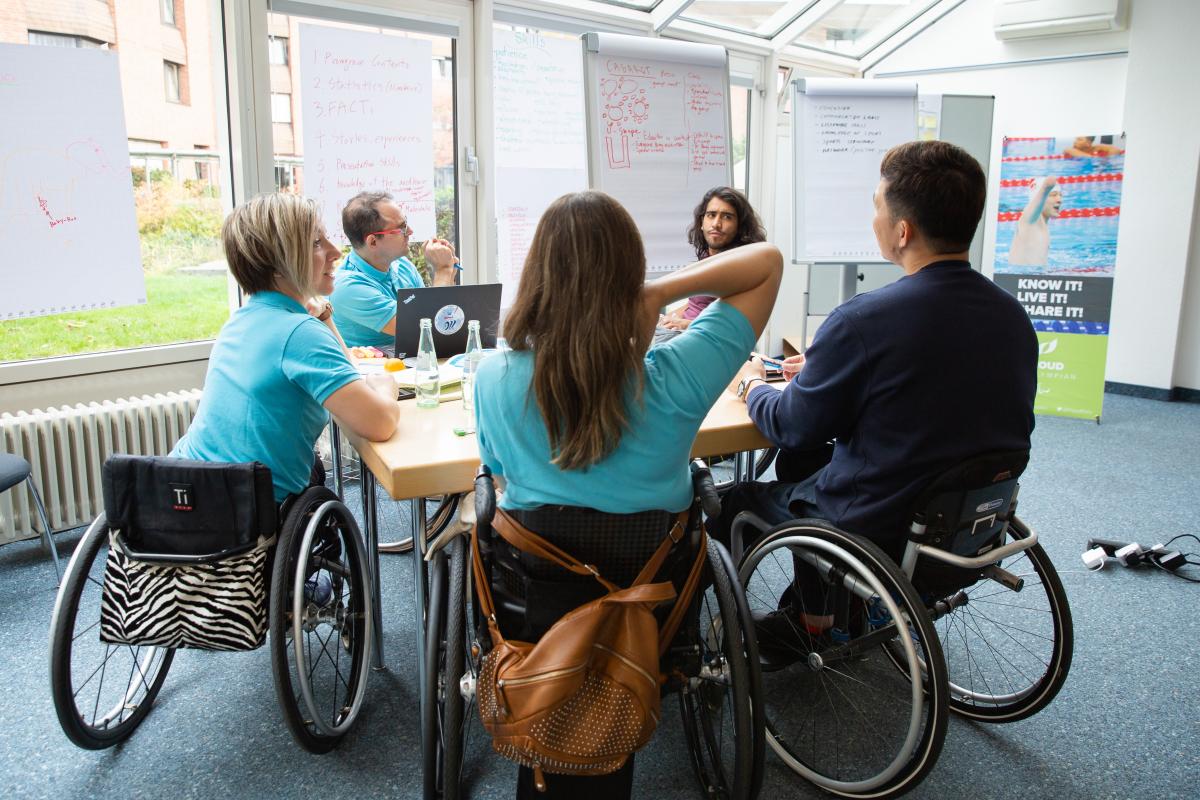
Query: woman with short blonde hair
[{"x": 279, "y": 367}]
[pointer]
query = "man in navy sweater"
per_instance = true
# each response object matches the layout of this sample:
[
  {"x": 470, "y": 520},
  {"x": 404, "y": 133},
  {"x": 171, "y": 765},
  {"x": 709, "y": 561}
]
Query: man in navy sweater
[{"x": 906, "y": 380}]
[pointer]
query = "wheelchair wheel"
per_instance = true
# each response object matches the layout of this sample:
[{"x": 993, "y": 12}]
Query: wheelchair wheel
[
  {"x": 442, "y": 718},
  {"x": 1008, "y": 652},
  {"x": 724, "y": 739},
  {"x": 320, "y": 620},
  {"x": 102, "y": 692},
  {"x": 837, "y": 710}
]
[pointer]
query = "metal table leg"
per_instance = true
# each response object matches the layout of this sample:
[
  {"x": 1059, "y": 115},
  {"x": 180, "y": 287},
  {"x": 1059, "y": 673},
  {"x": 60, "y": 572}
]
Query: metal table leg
[
  {"x": 335, "y": 447},
  {"x": 420, "y": 576},
  {"x": 372, "y": 524}
]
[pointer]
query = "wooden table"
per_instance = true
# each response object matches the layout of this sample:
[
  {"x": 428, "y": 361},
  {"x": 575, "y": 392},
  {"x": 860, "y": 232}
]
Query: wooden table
[{"x": 425, "y": 458}]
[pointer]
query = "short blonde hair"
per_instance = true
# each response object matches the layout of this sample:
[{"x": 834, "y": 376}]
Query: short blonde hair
[{"x": 269, "y": 240}]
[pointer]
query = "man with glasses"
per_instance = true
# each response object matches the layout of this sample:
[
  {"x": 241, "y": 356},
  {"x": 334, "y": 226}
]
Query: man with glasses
[{"x": 377, "y": 267}]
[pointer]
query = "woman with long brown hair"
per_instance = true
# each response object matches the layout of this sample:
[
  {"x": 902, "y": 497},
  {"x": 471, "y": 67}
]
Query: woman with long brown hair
[{"x": 579, "y": 413}]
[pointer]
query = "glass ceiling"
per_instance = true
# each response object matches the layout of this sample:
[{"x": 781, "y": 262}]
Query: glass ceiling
[{"x": 849, "y": 29}]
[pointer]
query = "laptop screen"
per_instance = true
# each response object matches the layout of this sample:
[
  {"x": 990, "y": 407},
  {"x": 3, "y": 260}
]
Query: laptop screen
[{"x": 450, "y": 308}]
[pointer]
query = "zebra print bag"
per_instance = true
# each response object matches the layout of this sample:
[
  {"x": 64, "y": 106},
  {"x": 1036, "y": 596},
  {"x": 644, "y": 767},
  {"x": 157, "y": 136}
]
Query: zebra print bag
[
  {"x": 189, "y": 547},
  {"x": 219, "y": 605}
]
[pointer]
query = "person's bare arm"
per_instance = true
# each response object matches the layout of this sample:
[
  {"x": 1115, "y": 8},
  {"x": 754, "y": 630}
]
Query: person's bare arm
[
  {"x": 366, "y": 408},
  {"x": 745, "y": 277},
  {"x": 439, "y": 255},
  {"x": 1037, "y": 200},
  {"x": 318, "y": 307}
]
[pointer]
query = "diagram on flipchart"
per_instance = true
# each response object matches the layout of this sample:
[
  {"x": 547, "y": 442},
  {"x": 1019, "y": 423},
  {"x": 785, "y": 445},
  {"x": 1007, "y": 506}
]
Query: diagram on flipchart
[
  {"x": 67, "y": 214},
  {"x": 662, "y": 114}
]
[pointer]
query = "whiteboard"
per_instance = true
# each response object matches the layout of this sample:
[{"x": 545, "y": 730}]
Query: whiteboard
[
  {"x": 841, "y": 128},
  {"x": 367, "y": 120},
  {"x": 658, "y": 133},
  {"x": 540, "y": 150},
  {"x": 67, "y": 219}
]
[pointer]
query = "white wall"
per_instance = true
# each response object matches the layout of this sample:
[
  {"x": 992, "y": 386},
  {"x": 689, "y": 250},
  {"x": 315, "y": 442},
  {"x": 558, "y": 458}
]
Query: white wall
[
  {"x": 1150, "y": 321},
  {"x": 1155, "y": 337}
]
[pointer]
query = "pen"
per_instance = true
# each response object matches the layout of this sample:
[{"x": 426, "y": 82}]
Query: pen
[{"x": 458, "y": 266}]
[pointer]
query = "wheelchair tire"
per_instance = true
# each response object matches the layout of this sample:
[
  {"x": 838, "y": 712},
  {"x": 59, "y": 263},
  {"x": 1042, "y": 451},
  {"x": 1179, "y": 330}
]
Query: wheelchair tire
[
  {"x": 725, "y": 740},
  {"x": 320, "y": 620},
  {"x": 101, "y": 692},
  {"x": 445, "y": 647},
  {"x": 1008, "y": 652},
  {"x": 837, "y": 711}
]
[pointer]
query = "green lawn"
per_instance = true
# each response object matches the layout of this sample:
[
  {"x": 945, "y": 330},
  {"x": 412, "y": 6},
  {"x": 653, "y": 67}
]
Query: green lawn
[{"x": 179, "y": 308}]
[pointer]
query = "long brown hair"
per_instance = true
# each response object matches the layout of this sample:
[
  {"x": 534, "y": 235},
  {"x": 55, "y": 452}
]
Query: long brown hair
[{"x": 578, "y": 309}]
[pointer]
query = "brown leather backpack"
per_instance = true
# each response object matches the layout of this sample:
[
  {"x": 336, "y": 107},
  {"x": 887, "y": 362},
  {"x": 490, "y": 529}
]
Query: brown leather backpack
[{"x": 586, "y": 695}]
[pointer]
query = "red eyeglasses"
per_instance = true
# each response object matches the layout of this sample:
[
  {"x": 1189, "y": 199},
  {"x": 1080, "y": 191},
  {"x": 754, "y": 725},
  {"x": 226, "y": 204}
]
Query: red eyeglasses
[{"x": 404, "y": 228}]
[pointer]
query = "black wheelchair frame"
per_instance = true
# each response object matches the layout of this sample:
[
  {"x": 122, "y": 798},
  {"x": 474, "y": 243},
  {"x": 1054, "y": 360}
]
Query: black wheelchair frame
[
  {"x": 715, "y": 666},
  {"x": 320, "y": 650},
  {"x": 973, "y": 620}
]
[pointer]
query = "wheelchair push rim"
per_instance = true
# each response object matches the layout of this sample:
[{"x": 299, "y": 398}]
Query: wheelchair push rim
[
  {"x": 90, "y": 717},
  {"x": 306, "y": 618},
  {"x": 859, "y": 665}
]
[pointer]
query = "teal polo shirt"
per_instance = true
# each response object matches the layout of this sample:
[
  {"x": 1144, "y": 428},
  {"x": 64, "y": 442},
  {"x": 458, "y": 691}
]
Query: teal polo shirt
[
  {"x": 271, "y": 369},
  {"x": 364, "y": 299},
  {"x": 649, "y": 468}
]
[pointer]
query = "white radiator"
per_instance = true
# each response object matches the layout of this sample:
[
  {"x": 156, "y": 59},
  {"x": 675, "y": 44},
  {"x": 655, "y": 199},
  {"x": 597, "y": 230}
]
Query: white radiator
[{"x": 68, "y": 445}]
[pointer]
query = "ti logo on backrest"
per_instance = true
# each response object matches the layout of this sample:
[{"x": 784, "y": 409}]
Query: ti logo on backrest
[{"x": 182, "y": 497}]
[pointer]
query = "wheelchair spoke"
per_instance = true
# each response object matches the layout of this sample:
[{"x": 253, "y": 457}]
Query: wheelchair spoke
[
  {"x": 997, "y": 655},
  {"x": 93, "y": 626}
]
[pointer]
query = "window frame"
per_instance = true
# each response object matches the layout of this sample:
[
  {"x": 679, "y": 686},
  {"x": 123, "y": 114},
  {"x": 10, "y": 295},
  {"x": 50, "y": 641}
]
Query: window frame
[
  {"x": 173, "y": 78},
  {"x": 277, "y": 105},
  {"x": 173, "y": 14}
]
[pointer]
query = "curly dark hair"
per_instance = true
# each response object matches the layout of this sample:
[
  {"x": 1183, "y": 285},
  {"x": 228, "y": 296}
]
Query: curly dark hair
[{"x": 750, "y": 227}]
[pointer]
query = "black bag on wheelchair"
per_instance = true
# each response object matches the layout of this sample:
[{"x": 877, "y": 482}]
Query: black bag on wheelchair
[{"x": 189, "y": 545}]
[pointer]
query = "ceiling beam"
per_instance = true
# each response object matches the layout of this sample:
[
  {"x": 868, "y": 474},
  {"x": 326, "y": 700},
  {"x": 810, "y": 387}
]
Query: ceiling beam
[
  {"x": 666, "y": 11},
  {"x": 802, "y": 23}
]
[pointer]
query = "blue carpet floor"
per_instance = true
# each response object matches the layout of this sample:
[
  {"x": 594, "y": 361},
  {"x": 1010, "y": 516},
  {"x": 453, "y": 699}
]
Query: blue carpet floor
[{"x": 1126, "y": 724}]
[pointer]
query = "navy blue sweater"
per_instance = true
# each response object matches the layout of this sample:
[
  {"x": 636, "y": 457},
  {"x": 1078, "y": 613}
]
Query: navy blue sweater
[{"x": 909, "y": 379}]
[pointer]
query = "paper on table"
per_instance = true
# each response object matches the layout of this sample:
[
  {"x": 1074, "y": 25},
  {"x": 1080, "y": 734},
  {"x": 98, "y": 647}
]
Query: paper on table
[{"x": 449, "y": 376}]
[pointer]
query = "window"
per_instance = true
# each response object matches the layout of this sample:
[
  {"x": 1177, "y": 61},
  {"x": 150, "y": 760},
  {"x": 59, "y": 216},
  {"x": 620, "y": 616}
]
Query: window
[
  {"x": 167, "y": 10},
  {"x": 171, "y": 72},
  {"x": 281, "y": 108},
  {"x": 277, "y": 50},
  {"x": 176, "y": 159},
  {"x": 63, "y": 40},
  {"x": 311, "y": 165}
]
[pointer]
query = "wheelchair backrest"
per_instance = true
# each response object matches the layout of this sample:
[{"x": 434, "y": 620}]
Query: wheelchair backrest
[
  {"x": 965, "y": 509},
  {"x": 175, "y": 509}
]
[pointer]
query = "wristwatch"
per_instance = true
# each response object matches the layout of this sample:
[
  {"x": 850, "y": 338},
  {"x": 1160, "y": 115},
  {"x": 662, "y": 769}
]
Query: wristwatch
[{"x": 744, "y": 385}]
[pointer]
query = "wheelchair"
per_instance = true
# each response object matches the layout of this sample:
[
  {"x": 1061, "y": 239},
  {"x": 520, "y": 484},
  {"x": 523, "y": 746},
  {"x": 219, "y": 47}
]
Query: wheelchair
[
  {"x": 712, "y": 661},
  {"x": 317, "y": 612},
  {"x": 972, "y": 620}
]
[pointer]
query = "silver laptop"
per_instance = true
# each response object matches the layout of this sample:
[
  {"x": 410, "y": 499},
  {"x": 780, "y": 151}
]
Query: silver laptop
[{"x": 449, "y": 307}]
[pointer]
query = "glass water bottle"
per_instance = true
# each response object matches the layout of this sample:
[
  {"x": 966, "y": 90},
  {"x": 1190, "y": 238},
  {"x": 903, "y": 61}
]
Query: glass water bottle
[
  {"x": 470, "y": 364},
  {"x": 428, "y": 382}
]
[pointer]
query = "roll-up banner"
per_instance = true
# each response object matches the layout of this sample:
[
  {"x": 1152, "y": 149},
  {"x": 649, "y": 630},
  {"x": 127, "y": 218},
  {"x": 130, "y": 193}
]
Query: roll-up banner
[{"x": 1056, "y": 252}]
